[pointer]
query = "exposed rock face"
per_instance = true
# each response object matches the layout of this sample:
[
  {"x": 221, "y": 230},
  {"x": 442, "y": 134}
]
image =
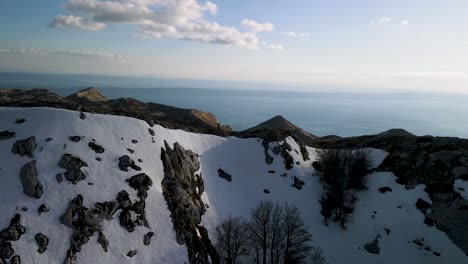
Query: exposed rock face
[
  {"x": 6, "y": 134},
  {"x": 373, "y": 247},
  {"x": 97, "y": 148},
  {"x": 73, "y": 166},
  {"x": 182, "y": 189},
  {"x": 126, "y": 162},
  {"x": 147, "y": 238},
  {"x": 298, "y": 183},
  {"x": 102, "y": 240},
  {"x": 284, "y": 149},
  {"x": 24, "y": 147},
  {"x": 224, "y": 175},
  {"x": 75, "y": 139},
  {"x": 90, "y": 94},
  {"x": 42, "y": 209},
  {"x": 14, "y": 231},
  {"x": 42, "y": 242},
  {"x": 31, "y": 185}
]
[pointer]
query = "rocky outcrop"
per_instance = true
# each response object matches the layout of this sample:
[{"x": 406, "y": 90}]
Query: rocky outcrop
[
  {"x": 224, "y": 175},
  {"x": 97, "y": 148},
  {"x": 283, "y": 150},
  {"x": 42, "y": 242},
  {"x": 6, "y": 134},
  {"x": 73, "y": 166},
  {"x": 298, "y": 183},
  {"x": 373, "y": 247},
  {"x": 24, "y": 147},
  {"x": 10, "y": 234},
  {"x": 182, "y": 189},
  {"x": 147, "y": 238},
  {"x": 126, "y": 162},
  {"x": 31, "y": 185},
  {"x": 90, "y": 94}
]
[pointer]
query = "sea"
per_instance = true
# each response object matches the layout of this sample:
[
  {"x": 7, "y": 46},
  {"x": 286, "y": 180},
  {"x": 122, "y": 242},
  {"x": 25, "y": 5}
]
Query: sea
[{"x": 243, "y": 105}]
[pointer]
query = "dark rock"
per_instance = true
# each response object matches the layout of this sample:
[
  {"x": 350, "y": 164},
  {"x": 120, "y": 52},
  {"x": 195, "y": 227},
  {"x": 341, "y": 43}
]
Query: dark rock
[
  {"x": 147, "y": 238},
  {"x": 272, "y": 171},
  {"x": 14, "y": 231},
  {"x": 132, "y": 253},
  {"x": 6, "y": 134},
  {"x": 43, "y": 209},
  {"x": 102, "y": 240},
  {"x": 266, "y": 191},
  {"x": 131, "y": 151},
  {"x": 284, "y": 149},
  {"x": 385, "y": 189},
  {"x": 140, "y": 182},
  {"x": 428, "y": 221},
  {"x": 224, "y": 175},
  {"x": 73, "y": 166},
  {"x": 6, "y": 251},
  {"x": 31, "y": 185},
  {"x": 151, "y": 131},
  {"x": 42, "y": 241},
  {"x": 59, "y": 177},
  {"x": 373, "y": 247},
  {"x": 317, "y": 166},
  {"x": 75, "y": 139},
  {"x": 82, "y": 115},
  {"x": 20, "y": 120},
  {"x": 182, "y": 190},
  {"x": 140, "y": 160},
  {"x": 24, "y": 147},
  {"x": 24, "y": 209},
  {"x": 134, "y": 141},
  {"x": 422, "y": 205},
  {"x": 106, "y": 210},
  {"x": 125, "y": 162},
  {"x": 49, "y": 139},
  {"x": 98, "y": 158},
  {"x": 97, "y": 148},
  {"x": 298, "y": 183},
  {"x": 436, "y": 254},
  {"x": 15, "y": 259}
]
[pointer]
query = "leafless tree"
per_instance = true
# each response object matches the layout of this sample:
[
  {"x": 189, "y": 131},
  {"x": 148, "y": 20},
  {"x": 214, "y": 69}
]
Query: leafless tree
[
  {"x": 297, "y": 238},
  {"x": 260, "y": 232},
  {"x": 316, "y": 256},
  {"x": 232, "y": 239}
]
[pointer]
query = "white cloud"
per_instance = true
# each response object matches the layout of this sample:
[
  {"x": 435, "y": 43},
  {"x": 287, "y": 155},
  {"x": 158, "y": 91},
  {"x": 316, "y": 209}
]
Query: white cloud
[
  {"x": 179, "y": 19},
  {"x": 388, "y": 21},
  {"x": 73, "y": 53},
  {"x": 275, "y": 47},
  {"x": 76, "y": 22},
  {"x": 256, "y": 27},
  {"x": 296, "y": 34}
]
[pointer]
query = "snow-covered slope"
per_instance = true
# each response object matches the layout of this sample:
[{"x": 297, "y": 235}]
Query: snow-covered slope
[{"x": 391, "y": 215}]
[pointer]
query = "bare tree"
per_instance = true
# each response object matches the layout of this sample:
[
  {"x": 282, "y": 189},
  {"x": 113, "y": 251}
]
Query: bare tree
[
  {"x": 297, "y": 238},
  {"x": 277, "y": 234},
  {"x": 260, "y": 232},
  {"x": 232, "y": 239},
  {"x": 316, "y": 256}
]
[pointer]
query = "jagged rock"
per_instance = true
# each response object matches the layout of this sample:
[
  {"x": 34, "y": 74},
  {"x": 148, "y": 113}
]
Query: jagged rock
[
  {"x": 284, "y": 149},
  {"x": 422, "y": 205},
  {"x": 102, "y": 240},
  {"x": 49, "y": 139},
  {"x": 15, "y": 259},
  {"x": 6, "y": 134},
  {"x": 131, "y": 151},
  {"x": 385, "y": 189},
  {"x": 42, "y": 241},
  {"x": 125, "y": 162},
  {"x": 126, "y": 221},
  {"x": 14, "y": 231},
  {"x": 25, "y": 209},
  {"x": 6, "y": 251},
  {"x": 43, "y": 209},
  {"x": 98, "y": 149},
  {"x": 75, "y": 139},
  {"x": 224, "y": 175},
  {"x": 134, "y": 141},
  {"x": 31, "y": 185},
  {"x": 20, "y": 120},
  {"x": 373, "y": 247},
  {"x": 73, "y": 166},
  {"x": 24, "y": 147},
  {"x": 182, "y": 190},
  {"x": 151, "y": 131},
  {"x": 317, "y": 166},
  {"x": 123, "y": 199},
  {"x": 59, "y": 177},
  {"x": 147, "y": 238},
  {"x": 106, "y": 210},
  {"x": 132, "y": 253},
  {"x": 82, "y": 115},
  {"x": 266, "y": 191},
  {"x": 298, "y": 183}
]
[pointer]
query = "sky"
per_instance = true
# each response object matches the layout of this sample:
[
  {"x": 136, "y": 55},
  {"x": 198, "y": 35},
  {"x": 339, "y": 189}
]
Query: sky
[{"x": 371, "y": 45}]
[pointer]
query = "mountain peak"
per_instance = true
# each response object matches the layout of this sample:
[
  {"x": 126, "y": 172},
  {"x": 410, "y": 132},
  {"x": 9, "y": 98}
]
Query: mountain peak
[{"x": 91, "y": 94}]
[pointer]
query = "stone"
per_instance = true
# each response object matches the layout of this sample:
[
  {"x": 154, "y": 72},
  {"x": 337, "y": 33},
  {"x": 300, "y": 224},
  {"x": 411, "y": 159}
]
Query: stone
[
  {"x": 42, "y": 241},
  {"x": 147, "y": 238},
  {"x": 31, "y": 185},
  {"x": 272, "y": 171},
  {"x": 266, "y": 191},
  {"x": 20, "y": 120},
  {"x": 97, "y": 148},
  {"x": 373, "y": 247},
  {"x": 73, "y": 166},
  {"x": 14, "y": 231},
  {"x": 82, "y": 115},
  {"x": 6, "y": 134},
  {"x": 224, "y": 175},
  {"x": 125, "y": 162},
  {"x": 43, "y": 209},
  {"x": 131, "y": 151},
  {"x": 6, "y": 250},
  {"x": 15, "y": 259},
  {"x": 140, "y": 182},
  {"x": 134, "y": 141},
  {"x": 102, "y": 240},
  {"x": 151, "y": 131},
  {"x": 49, "y": 139},
  {"x": 24, "y": 147},
  {"x": 298, "y": 183},
  {"x": 59, "y": 177},
  {"x": 385, "y": 189},
  {"x": 422, "y": 205},
  {"x": 75, "y": 139},
  {"x": 24, "y": 209},
  {"x": 132, "y": 253}
]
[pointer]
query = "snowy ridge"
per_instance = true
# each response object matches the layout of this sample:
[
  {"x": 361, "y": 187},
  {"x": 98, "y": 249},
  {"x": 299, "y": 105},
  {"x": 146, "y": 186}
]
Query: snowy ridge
[{"x": 242, "y": 158}]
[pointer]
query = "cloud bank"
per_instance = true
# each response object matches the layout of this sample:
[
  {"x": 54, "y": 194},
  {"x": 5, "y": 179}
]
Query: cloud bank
[
  {"x": 70, "y": 53},
  {"x": 179, "y": 19}
]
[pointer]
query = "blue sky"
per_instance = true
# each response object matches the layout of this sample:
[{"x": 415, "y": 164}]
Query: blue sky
[{"x": 365, "y": 45}]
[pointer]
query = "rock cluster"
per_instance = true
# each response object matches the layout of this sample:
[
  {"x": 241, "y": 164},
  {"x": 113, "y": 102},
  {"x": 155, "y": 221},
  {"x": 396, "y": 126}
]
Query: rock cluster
[
  {"x": 126, "y": 162},
  {"x": 283, "y": 150},
  {"x": 31, "y": 185},
  {"x": 73, "y": 166},
  {"x": 24, "y": 147},
  {"x": 6, "y": 134},
  {"x": 182, "y": 189},
  {"x": 12, "y": 233},
  {"x": 298, "y": 183},
  {"x": 97, "y": 148},
  {"x": 42, "y": 242},
  {"x": 75, "y": 139}
]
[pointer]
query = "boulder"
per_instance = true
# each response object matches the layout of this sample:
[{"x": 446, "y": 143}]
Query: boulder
[
  {"x": 97, "y": 148},
  {"x": 73, "y": 166},
  {"x": 125, "y": 162},
  {"x": 147, "y": 238},
  {"x": 298, "y": 183},
  {"x": 75, "y": 139},
  {"x": 42, "y": 242},
  {"x": 14, "y": 231},
  {"x": 102, "y": 240},
  {"x": 42, "y": 209},
  {"x": 373, "y": 247},
  {"x": 224, "y": 175},
  {"x": 31, "y": 185},
  {"x": 6, "y": 134},
  {"x": 24, "y": 147},
  {"x": 385, "y": 189}
]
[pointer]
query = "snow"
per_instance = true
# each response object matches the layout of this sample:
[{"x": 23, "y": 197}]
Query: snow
[{"x": 242, "y": 158}]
